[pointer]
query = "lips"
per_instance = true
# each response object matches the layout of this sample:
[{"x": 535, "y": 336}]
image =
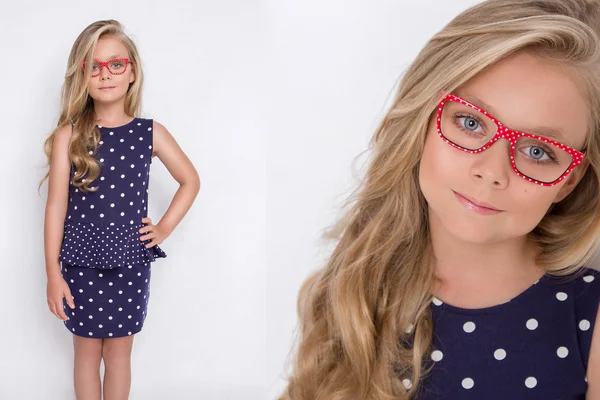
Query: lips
[
  {"x": 477, "y": 205},
  {"x": 107, "y": 88}
]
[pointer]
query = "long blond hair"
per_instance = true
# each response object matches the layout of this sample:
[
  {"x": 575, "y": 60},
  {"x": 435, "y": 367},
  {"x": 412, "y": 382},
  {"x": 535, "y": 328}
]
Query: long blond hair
[
  {"x": 365, "y": 318},
  {"x": 77, "y": 107}
]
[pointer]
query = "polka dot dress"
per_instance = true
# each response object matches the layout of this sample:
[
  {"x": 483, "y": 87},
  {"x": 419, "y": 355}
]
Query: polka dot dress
[
  {"x": 104, "y": 262},
  {"x": 535, "y": 346}
]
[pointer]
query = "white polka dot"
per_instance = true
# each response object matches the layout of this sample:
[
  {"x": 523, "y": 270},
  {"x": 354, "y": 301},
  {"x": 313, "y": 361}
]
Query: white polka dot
[
  {"x": 562, "y": 352},
  {"x": 100, "y": 326},
  {"x": 469, "y": 327},
  {"x": 110, "y": 317},
  {"x": 584, "y": 325},
  {"x": 110, "y": 334},
  {"x": 532, "y": 324},
  {"x": 81, "y": 274},
  {"x": 407, "y": 383},
  {"x": 437, "y": 355},
  {"x": 531, "y": 382},
  {"x": 588, "y": 278},
  {"x": 468, "y": 383},
  {"x": 562, "y": 296},
  {"x": 100, "y": 309},
  {"x": 500, "y": 354},
  {"x": 437, "y": 301}
]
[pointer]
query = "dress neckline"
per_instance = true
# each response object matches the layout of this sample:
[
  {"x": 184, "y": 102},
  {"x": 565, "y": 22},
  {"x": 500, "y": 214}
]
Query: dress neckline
[
  {"x": 118, "y": 127},
  {"x": 437, "y": 303}
]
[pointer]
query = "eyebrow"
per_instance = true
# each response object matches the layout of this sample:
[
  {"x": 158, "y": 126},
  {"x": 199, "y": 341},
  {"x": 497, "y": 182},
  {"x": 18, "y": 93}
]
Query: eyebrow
[
  {"x": 112, "y": 57},
  {"x": 543, "y": 131}
]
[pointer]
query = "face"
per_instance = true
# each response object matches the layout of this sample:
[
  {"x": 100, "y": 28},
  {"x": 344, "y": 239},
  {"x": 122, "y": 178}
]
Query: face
[
  {"x": 523, "y": 92},
  {"x": 109, "y": 48}
]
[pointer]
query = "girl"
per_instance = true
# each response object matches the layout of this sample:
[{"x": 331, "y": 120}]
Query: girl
[
  {"x": 99, "y": 242},
  {"x": 459, "y": 271}
]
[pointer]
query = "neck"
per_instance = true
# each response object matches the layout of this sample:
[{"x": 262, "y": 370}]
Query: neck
[
  {"x": 459, "y": 263},
  {"x": 111, "y": 114}
]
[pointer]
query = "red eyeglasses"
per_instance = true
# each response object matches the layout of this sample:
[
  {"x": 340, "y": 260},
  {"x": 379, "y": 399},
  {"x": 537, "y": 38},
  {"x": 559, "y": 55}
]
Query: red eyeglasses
[
  {"x": 534, "y": 158},
  {"x": 116, "y": 66}
]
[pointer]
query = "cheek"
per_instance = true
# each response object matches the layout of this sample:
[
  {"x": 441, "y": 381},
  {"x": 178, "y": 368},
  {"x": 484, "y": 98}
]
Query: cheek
[
  {"x": 440, "y": 164},
  {"x": 530, "y": 204}
]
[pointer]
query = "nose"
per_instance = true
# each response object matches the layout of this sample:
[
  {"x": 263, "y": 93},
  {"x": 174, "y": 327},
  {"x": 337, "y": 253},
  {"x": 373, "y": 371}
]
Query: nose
[
  {"x": 492, "y": 166},
  {"x": 104, "y": 73}
]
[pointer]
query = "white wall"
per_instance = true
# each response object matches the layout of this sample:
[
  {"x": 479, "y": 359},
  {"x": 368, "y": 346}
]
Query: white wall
[
  {"x": 272, "y": 101},
  {"x": 336, "y": 65},
  {"x": 203, "y": 65}
]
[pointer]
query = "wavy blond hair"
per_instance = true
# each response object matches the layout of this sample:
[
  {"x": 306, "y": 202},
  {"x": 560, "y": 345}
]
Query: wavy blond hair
[
  {"x": 359, "y": 314},
  {"x": 77, "y": 107}
]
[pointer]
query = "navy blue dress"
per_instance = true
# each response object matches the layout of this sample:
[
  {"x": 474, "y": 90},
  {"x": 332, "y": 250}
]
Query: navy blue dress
[
  {"x": 103, "y": 260},
  {"x": 535, "y": 346}
]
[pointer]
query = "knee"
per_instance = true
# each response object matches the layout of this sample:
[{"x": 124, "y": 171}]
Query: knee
[{"x": 116, "y": 354}]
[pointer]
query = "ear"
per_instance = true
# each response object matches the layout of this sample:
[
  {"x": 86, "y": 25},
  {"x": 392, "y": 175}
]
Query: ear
[
  {"x": 132, "y": 75},
  {"x": 572, "y": 181}
]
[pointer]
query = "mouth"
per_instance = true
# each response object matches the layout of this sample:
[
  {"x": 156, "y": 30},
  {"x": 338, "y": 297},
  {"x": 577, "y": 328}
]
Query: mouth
[
  {"x": 479, "y": 207},
  {"x": 107, "y": 88}
]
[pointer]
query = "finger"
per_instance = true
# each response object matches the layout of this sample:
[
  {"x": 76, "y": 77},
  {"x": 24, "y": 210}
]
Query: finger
[
  {"x": 147, "y": 220},
  {"x": 54, "y": 308},
  {"x": 151, "y": 235},
  {"x": 151, "y": 244},
  {"x": 61, "y": 312},
  {"x": 146, "y": 229},
  {"x": 69, "y": 299}
]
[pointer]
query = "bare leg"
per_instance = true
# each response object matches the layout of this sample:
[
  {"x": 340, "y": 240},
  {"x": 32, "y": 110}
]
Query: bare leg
[
  {"x": 86, "y": 375},
  {"x": 117, "y": 367}
]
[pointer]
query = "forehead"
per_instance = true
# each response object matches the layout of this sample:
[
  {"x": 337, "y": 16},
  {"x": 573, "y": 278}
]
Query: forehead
[
  {"x": 531, "y": 95},
  {"x": 110, "y": 47}
]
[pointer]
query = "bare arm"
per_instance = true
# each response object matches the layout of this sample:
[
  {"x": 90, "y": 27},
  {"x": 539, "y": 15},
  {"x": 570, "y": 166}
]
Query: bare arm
[
  {"x": 56, "y": 209},
  {"x": 182, "y": 170},
  {"x": 593, "y": 371}
]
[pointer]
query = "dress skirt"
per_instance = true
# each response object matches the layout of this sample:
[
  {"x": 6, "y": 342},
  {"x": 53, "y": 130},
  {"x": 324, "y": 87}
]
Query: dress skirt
[{"x": 109, "y": 303}]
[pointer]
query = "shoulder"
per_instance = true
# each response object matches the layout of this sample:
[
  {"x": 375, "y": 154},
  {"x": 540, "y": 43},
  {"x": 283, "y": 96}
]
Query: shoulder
[
  {"x": 62, "y": 137},
  {"x": 588, "y": 321},
  {"x": 64, "y": 132},
  {"x": 159, "y": 128}
]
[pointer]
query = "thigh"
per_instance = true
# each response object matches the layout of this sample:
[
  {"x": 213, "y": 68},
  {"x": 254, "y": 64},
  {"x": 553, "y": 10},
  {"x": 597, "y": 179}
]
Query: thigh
[
  {"x": 117, "y": 349},
  {"x": 87, "y": 348}
]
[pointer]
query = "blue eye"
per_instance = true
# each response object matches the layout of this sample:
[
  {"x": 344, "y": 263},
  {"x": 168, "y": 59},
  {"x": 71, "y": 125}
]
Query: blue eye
[
  {"x": 470, "y": 123},
  {"x": 536, "y": 153}
]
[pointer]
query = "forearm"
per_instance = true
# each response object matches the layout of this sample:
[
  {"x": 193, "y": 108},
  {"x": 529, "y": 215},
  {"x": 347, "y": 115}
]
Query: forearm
[
  {"x": 53, "y": 236},
  {"x": 180, "y": 205}
]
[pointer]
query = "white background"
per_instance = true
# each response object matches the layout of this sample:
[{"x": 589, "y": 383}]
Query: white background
[
  {"x": 336, "y": 65},
  {"x": 273, "y": 101},
  {"x": 204, "y": 337}
]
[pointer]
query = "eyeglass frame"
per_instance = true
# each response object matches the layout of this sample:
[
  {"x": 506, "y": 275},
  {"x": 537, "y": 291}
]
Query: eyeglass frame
[
  {"x": 103, "y": 64},
  {"x": 511, "y": 136}
]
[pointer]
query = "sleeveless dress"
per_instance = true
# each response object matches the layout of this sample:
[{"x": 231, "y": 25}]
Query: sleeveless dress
[
  {"x": 536, "y": 346},
  {"x": 103, "y": 260}
]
